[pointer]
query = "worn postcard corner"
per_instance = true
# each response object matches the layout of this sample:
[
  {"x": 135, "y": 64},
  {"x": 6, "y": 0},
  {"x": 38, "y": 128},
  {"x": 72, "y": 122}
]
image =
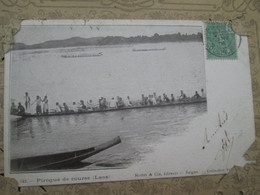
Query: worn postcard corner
[{"x": 110, "y": 100}]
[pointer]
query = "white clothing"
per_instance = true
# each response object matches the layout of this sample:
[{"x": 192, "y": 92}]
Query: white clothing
[
  {"x": 154, "y": 101},
  {"x": 203, "y": 94},
  {"x": 128, "y": 102},
  {"x": 57, "y": 109},
  {"x": 113, "y": 103},
  {"x": 45, "y": 107},
  {"x": 74, "y": 108}
]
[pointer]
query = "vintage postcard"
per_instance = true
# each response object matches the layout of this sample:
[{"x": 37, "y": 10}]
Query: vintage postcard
[{"x": 110, "y": 100}]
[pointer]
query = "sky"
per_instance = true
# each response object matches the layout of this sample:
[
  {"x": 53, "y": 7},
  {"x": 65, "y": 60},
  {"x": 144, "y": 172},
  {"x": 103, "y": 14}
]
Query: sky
[{"x": 37, "y": 34}]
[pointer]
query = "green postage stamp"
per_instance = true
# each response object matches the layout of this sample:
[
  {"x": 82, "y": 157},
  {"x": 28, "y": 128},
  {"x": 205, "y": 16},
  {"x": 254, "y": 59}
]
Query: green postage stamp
[{"x": 220, "y": 41}]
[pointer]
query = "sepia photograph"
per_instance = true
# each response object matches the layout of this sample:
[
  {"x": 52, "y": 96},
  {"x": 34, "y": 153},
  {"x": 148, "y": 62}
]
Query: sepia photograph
[
  {"x": 79, "y": 91},
  {"x": 98, "y": 97}
]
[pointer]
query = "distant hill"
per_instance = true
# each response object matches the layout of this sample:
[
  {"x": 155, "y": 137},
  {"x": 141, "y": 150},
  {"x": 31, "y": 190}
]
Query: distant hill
[{"x": 111, "y": 40}]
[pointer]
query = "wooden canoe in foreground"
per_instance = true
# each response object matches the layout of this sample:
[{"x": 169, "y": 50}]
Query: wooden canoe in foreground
[{"x": 56, "y": 161}]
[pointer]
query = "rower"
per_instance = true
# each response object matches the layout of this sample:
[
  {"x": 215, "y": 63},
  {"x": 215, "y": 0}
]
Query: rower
[
  {"x": 196, "y": 96},
  {"x": 155, "y": 96},
  {"x": 128, "y": 101},
  {"x": 150, "y": 102},
  {"x": 101, "y": 102},
  {"x": 165, "y": 98},
  {"x": 203, "y": 94},
  {"x": 38, "y": 101},
  {"x": 159, "y": 100},
  {"x": 83, "y": 106},
  {"x": 153, "y": 99},
  {"x": 117, "y": 101},
  {"x": 182, "y": 96},
  {"x": 90, "y": 105},
  {"x": 120, "y": 103},
  {"x": 172, "y": 98},
  {"x": 21, "y": 109},
  {"x": 27, "y": 100},
  {"x": 45, "y": 105},
  {"x": 14, "y": 109},
  {"x": 104, "y": 103},
  {"x": 74, "y": 107},
  {"x": 146, "y": 101},
  {"x": 66, "y": 108},
  {"x": 58, "y": 107},
  {"x": 143, "y": 100},
  {"x": 113, "y": 103}
]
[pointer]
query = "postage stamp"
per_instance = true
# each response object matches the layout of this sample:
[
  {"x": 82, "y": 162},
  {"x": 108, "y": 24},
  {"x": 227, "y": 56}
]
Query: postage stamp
[{"x": 220, "y": 41}]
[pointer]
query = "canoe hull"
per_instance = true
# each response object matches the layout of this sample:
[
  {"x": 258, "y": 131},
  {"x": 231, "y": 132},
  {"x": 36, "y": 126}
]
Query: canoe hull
[{"x": 55, "y": 161}]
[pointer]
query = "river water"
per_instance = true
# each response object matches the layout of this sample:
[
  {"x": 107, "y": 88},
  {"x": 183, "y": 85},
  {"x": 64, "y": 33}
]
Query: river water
[{"x": 140, "y": 131}]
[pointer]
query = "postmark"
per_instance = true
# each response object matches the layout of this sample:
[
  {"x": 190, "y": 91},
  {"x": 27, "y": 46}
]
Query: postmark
[{"x": 220, "y": 41}]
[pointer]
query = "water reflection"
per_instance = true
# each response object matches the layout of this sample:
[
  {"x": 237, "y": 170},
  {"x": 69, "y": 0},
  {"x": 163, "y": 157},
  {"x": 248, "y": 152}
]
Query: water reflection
[
  {"x": 47, "y": 124},
  {"x": 24, "y": 126},
  {"x": 30, "y": 127},
  {"x": 76, "y": 118},
  {"x": 41, "y": 123}
]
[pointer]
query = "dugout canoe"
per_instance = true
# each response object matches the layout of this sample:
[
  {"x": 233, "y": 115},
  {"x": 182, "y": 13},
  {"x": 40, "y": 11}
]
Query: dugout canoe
[
  {"x": 175, "y": 103},
  {"x": 82, "y": 55},
  {"x": 57, "y": 161},
  {"x": 150, "y": 49}
]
